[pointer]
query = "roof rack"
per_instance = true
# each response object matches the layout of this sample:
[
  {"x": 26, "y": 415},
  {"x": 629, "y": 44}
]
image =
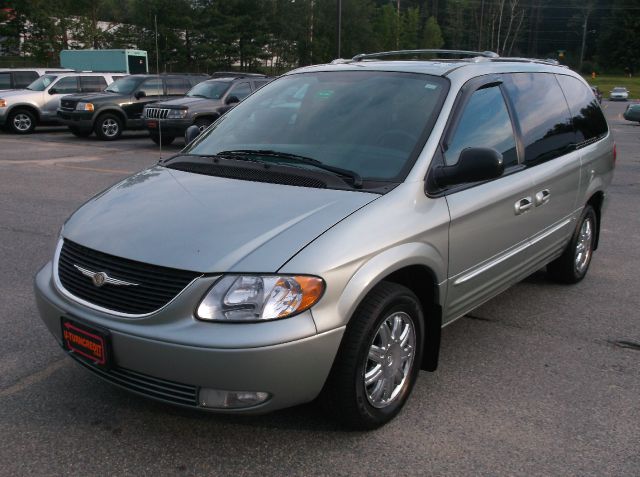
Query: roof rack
[
  {"x": 382, "y": 54},
  {"x": 548, "y": 61}
]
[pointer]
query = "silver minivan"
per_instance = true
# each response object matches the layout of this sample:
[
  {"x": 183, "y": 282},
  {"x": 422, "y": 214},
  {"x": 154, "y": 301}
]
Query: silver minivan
[{"x": 315, "y": 239}]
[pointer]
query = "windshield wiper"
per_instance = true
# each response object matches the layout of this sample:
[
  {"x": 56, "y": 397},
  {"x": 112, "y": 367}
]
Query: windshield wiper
[
  {"x": 198, "y": 96},
  {"x": 353, "y": 175}
]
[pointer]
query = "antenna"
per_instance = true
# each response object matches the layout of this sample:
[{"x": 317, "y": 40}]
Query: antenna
[{"x": 155, "y": 22}]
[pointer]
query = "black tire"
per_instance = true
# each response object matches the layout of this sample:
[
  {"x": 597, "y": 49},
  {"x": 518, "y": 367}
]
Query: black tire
[
  {"x": 166, "y": 140},
  {"x": 108, "y": 127},
  {"x": 80, "y": 132},
  {"x": 573, "y": 264},
  {"x": 22, "y": 121},
  {"x": 345, "y": 395}
]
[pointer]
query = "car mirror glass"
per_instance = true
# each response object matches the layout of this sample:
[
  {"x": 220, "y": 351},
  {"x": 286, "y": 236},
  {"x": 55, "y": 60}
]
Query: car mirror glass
[
  {"x": 190, "y": 134},
  {"x": 140, "y": 94}
]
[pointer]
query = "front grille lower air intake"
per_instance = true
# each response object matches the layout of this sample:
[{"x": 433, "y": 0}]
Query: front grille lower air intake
[{"x": 125, "y": 286}]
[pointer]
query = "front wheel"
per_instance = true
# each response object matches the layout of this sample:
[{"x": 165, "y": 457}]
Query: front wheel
[
  {"x": 108, "y": 127},
  {"x": 379, "y": 359},
  {"x": 22, "y": 121},
  {"x": 573, "y": 264}
]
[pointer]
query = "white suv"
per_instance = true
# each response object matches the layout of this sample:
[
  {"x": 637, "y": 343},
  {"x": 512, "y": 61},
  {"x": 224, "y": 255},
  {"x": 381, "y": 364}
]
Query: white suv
[{"x": 21, "y": 110}]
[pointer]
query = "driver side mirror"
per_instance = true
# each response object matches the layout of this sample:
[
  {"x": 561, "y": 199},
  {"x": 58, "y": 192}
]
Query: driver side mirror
[
  {"x": 474, "y": 165},
  {"x": 190, "y": 134},
  {"x": 140, "y": 94},
  {"x": 53, "y": 91},
  {"x": 232, "y": 100}
]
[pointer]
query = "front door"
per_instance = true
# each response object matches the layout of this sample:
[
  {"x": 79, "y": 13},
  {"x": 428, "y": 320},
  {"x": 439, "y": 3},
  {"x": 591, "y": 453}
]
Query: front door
[
  {"x": 64, "y": 86},
  {"x": 153, "y": 89},
  {"x": 490, "y": 226}
]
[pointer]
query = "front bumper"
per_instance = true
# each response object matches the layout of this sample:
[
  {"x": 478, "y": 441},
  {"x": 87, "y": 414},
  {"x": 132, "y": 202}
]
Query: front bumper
[
  {"x": 240, "y": 357},
  {"x": 76, "y": 119},
  {"x": 170, "y": 127}
]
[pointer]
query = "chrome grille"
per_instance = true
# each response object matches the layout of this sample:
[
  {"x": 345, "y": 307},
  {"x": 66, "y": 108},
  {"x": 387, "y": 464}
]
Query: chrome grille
[
  {"x": 154, "y": 287},
  {"x": 156, "y": 113},
  {"x": 156, "y": 388}
]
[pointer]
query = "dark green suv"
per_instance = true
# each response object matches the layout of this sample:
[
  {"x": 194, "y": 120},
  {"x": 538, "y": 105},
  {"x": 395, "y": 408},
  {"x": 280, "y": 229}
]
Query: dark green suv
[{"x": 120, "y": 106}]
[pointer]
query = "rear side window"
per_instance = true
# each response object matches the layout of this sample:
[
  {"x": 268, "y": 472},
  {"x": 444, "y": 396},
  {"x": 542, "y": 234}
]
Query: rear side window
[
  {"x": 22, "y": 79},
  {"x": 260, "y": 83},
  {"x": 543, "y": 114},
  {"x": 177, "y": 86},
  {"x": 5, "y": 80},
  {"x": 588, "y": 121},
  {"x": 152, "y": 87},
  {"x": 92, "y": 84},
  {"x": 485, "y": 122}
]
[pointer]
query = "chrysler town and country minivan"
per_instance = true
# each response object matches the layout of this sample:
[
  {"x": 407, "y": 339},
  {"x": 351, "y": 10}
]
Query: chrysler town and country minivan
[{"x": 316, "y": 238}]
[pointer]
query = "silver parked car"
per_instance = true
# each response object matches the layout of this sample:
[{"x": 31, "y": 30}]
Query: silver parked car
[
  {"x": 321, "y": 233},
  {"x": 619, "y": 93},
  {"x": 22, "y": 109}
]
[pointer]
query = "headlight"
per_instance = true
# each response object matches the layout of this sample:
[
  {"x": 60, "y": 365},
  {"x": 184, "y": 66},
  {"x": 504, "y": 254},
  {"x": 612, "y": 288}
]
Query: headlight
[
  {"x": 259, "y": 297},
  {"x": 177, "y": 113},
  {"x": 3, "y": 103},
  {"x": 84, "y": 106}
]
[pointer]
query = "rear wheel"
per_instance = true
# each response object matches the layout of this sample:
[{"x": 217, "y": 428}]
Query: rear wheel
[
  {"x": 166, "y": 140},
  {"x": 80, "y": 132},
  {"x": 379, "y": 359},
  {"x": 573, "y": 264},
  {"x": 108, "y": 127},
  {"x": 22, "y": 121}
]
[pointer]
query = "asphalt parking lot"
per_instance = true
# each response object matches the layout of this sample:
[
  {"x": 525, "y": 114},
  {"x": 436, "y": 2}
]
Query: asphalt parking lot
[{"x": 542, "y": 380}]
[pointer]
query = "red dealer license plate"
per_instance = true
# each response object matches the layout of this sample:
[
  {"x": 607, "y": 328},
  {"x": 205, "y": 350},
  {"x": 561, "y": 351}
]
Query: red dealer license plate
[
  {"x": 87, "y": 342},
  {"x": 152, "y": 124}
]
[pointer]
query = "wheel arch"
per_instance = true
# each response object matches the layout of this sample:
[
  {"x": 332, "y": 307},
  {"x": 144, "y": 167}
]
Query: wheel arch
[
  {"x": 30, "y": 107},
  {"x": 415, "y": 266},
  {"x": 111, "y": 110},
  {"x": 597, "y": 201}
]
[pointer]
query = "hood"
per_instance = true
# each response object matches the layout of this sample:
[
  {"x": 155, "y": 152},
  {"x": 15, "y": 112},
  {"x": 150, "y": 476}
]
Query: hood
[
  {"x": 96, "y": 97},
  {"x": 187, "y": 102},
  {"x": 208, "y": 224},
  {"x": 22, "y": 93}
]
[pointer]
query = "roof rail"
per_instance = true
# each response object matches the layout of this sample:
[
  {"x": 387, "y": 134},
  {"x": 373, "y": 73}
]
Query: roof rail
[
  {"x": 548, "y": 61},
  {"x": 382, "y": 54}
]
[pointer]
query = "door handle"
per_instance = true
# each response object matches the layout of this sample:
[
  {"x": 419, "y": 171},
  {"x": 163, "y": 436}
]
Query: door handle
[
  {"x": 542, "y": 197},
  {"x": 523, "y": 205}
]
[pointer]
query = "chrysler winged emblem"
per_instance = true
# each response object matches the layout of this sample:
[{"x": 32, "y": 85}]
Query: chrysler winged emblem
[{"x": 101, "y": 278}]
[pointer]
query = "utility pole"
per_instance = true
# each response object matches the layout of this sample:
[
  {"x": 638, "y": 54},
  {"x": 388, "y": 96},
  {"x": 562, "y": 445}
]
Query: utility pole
[
  {"x": 584, "y": 39},
  {"x": 339, "y": 26}
]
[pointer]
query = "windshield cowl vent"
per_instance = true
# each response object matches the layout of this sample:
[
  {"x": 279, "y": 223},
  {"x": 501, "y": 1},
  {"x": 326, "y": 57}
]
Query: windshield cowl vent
[{"x": 249, "y": 174}]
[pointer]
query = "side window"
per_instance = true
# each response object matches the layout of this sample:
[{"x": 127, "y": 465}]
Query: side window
[
  {"x": 5, "y": 80},
  {"x": 152, "y": 87},
  {"x": 67, "y": 85},
  {"x": 485, "y": 122},
  {"x": 177, "y": 86},
  {"x": 588, "y": 121},
  {"x": 543, "y": 114},
  {"x": 22, "y": 79},
  {"x": 240, "y": 91},
  {"x": 92, "y": 84},
  {"x": 260, "y": 83}
]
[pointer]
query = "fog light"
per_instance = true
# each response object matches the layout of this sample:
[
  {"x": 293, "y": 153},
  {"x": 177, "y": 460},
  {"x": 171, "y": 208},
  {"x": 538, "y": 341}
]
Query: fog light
[{"x": 216, "y": 398}]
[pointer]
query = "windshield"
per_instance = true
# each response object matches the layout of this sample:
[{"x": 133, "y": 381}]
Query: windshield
[
  {"x": 370, "y": 122},
  {"x": 124, "y": 85},
  {"x": 41, "y": 83},
  {"x": 211, "y": 90}
]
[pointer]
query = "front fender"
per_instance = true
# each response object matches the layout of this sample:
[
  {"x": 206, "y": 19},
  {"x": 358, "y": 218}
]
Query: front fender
[{"x": 347, "y": 286}]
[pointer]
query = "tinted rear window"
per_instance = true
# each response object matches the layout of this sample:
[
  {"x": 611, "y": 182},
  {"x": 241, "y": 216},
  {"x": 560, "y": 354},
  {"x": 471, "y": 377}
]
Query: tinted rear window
[
  {"x": 543, "y": 114},
  {"x": 588, "y": 120},
  {"x": 22, "y": 79},
  {"x": 92, "y": 84},
  {"x": 5, "y": 80}
]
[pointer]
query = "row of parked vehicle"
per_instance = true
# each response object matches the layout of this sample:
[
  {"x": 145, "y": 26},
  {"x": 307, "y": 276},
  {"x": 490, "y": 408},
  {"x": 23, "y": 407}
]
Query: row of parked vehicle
[{"x": 109, "y": 103}]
